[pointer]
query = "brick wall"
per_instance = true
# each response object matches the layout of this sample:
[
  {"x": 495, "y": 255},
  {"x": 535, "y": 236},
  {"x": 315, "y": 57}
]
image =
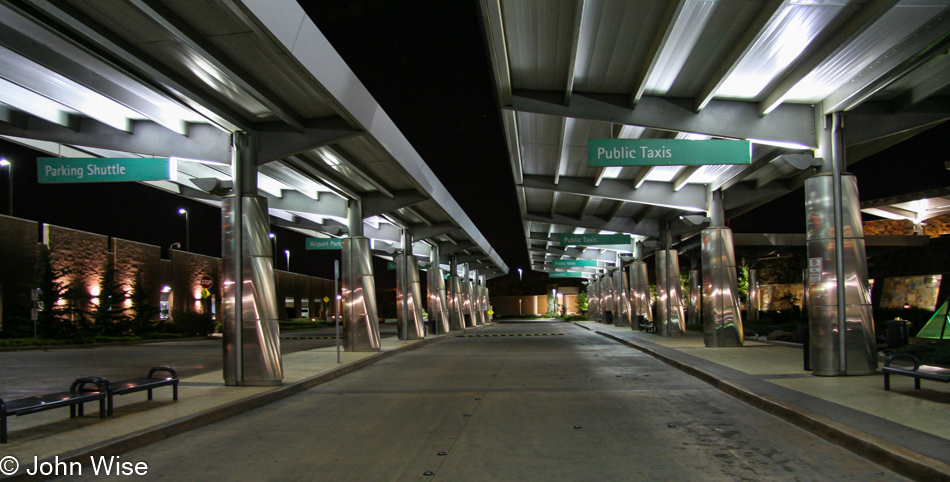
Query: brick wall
[{"x": 18, "y": 251}]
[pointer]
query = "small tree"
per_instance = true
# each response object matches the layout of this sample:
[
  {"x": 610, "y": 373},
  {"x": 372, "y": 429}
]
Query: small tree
[
  {"x": 143, "y": 311},
  {"x": 56, "y": 318},
  {"x": 110, "y": 314},
  {"x": 581, "y": 299}
]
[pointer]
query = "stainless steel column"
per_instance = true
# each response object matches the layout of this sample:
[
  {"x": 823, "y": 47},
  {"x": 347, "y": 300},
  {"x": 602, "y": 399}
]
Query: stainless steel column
[
  {"x": 607, "y": 298},
  {"x": 752, "y": 310},
  {"x": 621, "y": 301},
  {"x": 360, "y": 321},
  {"x": 639, "y": 293},
  {"x": 454, "y": 295},
  {"x": 438, "y": 307},
  {"x": 833, "y": 351},
  {"x": 695, "y": 298},
  {"x": 669, "y": 306},
  {"x": 251, "y": 334},
  {"x": 468, "y": 314},
  {"x": 722, "y": 325},
  {"x": 592, "y": 298},
  {"x": 476, "y": 301},
  {"x": 408, "y": 298}
]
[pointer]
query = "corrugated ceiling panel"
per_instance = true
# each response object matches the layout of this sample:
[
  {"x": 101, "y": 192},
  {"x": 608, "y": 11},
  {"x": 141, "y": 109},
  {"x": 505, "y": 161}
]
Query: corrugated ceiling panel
[
  {"x": 784, "y": 41},
  {"x": 569, "y": 204},
  {"x": 684, "y": 34},
  {"x": 539, "y": 36},
  {"x": 892, "y": 28},
  {"x": 614, "y": 53},
  {"x": 727, "y": 23},
  {"x": 540, "y": 137},
  {"x": 538, "y": 200}
]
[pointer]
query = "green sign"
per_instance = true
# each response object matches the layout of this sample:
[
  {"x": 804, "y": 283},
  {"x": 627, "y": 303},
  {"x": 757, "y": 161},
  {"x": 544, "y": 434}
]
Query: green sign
[
  {"x": 57, "y": 170},
  {"x": 324, "y": 243},
  {"x": 568, "y": 274},
  {"x": 573, "y": 263},
  {"x": 667, "y": 152},
  {"x": 594, "y": 239}
]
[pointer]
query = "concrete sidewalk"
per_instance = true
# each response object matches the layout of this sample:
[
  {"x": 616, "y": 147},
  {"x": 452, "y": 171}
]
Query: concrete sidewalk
[
  {"x": 203, "y": 399},
  {"x": 904, "y": 429}
]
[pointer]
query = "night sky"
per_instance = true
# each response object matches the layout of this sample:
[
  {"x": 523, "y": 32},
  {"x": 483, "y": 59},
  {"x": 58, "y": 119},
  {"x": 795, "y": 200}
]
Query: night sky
[{"x": 425, "y": 62}]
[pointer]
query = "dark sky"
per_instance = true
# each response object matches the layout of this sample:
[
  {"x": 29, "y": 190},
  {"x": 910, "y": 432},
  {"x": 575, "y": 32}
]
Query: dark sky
[{"x": 425, "y": 62}]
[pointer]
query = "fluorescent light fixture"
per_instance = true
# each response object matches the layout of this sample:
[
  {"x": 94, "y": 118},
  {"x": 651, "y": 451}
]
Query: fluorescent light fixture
[
  {"x": 199, "y": 161},
  {"x": 4, "y": 162},
  {"x": 612, "y": 172},
  {"x": 787, "y": 145}
]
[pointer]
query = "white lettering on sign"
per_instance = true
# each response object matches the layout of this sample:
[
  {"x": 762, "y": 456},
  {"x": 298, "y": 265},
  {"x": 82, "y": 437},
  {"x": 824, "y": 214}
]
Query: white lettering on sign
[
  {"x": 814, "y": 270},
  {"x": 663, "y": 152},
  {"x": 107, "y": 170},
  {"x": 616, "y": 153},
  {"x": 53, "y": 171}
]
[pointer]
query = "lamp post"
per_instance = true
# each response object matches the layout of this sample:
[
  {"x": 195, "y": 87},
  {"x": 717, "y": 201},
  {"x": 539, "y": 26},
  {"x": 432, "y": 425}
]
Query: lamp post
[
  {"x": 287, "y": 252},
  {"x": 273, "y": 238},
  {"x": 187, "y": 234},
  {"x": 9, "y": 166}
]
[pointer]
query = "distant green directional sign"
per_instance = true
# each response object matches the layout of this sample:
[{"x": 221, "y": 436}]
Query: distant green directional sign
[
  {"x": 573, "y": 263},
  {"x": 324, "y": 243},
  {"x": 594, "y": 239},
  {"x": 667, "y": 152},
  {"x": 568, "y": 274},
  {"x": 61, "y": 170}
]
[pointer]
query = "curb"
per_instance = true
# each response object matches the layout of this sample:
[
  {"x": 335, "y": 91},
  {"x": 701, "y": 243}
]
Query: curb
[
  {"x": 169, "y": 429},
  {"x": 905, "y": 462}
]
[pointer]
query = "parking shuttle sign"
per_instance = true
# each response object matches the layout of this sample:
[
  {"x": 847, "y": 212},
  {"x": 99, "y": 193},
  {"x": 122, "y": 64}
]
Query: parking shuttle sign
[{"x": 62, "y": 170}]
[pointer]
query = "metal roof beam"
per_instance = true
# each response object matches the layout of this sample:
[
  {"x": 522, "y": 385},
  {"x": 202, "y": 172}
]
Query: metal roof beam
[
  {"x": 927, "y": 43},
  {"x": 324, "y": 174},
  {"x": 664, "y": 29},
  {"x": 575, "y": 41},
  {"x": 790, "y": 123},
  {"x": 175, "y": 26},
  {"x": 690, "y": 197},
  {"x": 375, "y": 203},
  {"x": 823, "y": 48},
  {"x": 876, "y": 120},
  {"x": 647, "y": 227},
  {"x": 276, "y": 145},
  {"x": 421, "y": 233},
  {"x": 575, "y": 253},
  {"x": 683, "y": 176},
  {"x": 753, "y": 32},
  {"x": 100, "y": 36},
  {"x": 446, "y": 249},
  {"x": 204, "y": 141}
]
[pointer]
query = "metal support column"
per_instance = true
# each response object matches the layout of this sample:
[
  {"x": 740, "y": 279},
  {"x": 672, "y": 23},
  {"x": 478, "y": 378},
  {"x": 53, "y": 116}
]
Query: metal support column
[
  {"x": 438, "y": 306},
  {"x": 722, "y": 322},
  {"x": 456, "y": 320},
  {"x": 752, "y": 307},
  {"x": 408, "y": 299},
  {"x": 841, "y": 327},
  {"x": 669, "y": 306},
  {"x": 639, "y": 288},
  {"x": 694, "y": 307},
  {"x": 251, "y": 334},
  {"x": 360, "y": 321}
]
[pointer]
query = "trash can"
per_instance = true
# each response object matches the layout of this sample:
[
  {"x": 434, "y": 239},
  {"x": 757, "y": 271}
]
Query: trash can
[
  {"x": 897, "y": 333},
  {"x": 609, "y": 317},
  {"x": 468, "y": 320}
]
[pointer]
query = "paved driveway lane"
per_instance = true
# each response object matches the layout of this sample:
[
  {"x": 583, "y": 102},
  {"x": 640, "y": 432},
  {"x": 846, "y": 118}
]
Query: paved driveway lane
[{"x": 506, "y": 408}]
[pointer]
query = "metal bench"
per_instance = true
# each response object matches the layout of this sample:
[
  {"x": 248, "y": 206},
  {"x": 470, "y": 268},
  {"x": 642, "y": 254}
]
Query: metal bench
[
  {"x": 645, "y": 325},
  {"x": 919, "y": 372},
  {"x": 74, "y": 399},
  {"x": 126, "y": 387}
]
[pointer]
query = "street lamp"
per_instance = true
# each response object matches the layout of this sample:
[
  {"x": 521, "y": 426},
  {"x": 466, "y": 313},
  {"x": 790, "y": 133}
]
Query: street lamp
[
  {"x": 9, "y": 166},
  {"x": 187, "y": 236},
  {"x": 519, "y": 274},
  {"x": 287, "y": 252},
  {"x": 273, "y": 238}
]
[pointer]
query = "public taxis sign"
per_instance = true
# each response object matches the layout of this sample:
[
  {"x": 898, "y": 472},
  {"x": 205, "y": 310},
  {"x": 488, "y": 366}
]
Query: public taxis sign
[
  {"x": 324, "y": 243},
  {"x": 62, "y": 170},
  {"x": 574, "y": 263},
  {"x": 595, "y": 239},
  {"x": 667, "y": 152},
  {"x": 565, "y": 274}
]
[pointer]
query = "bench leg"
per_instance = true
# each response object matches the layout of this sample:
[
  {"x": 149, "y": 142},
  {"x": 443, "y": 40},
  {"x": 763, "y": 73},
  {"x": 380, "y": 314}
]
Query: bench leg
[
  {"x": 917, "y": 383},
  {"x": 149, "y": 394},
  {"x": 175, "y": 391},
  {"x": 3, "y": 429},
  {"x": 887, "y": 381},
  {"x": 102, "y": 408}
]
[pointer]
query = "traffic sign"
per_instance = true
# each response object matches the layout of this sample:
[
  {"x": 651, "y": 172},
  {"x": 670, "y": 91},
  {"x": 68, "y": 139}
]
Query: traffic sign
[
  {"x": 326, "y": 299},
  {"x": 667, "y": 152},
  {"x": 56, "y": 170},
  {"x": 206, "y": 282},
  {"x": 324, "y": 243}
]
